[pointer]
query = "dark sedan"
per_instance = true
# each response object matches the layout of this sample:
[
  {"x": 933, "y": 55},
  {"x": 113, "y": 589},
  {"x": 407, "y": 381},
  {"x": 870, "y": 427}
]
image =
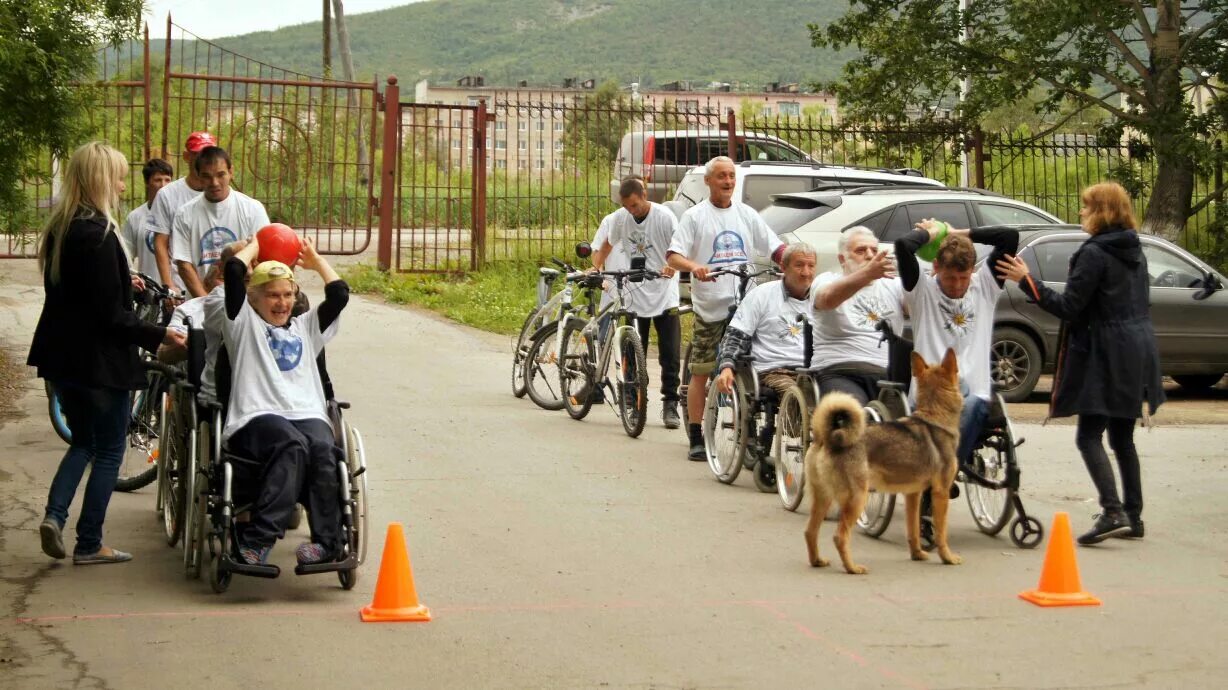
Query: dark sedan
[{"x": 1189, "y": 308}]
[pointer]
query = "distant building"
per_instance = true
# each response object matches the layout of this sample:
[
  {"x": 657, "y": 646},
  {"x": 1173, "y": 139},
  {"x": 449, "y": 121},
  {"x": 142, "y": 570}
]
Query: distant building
[{"x": 531, "y": 137}]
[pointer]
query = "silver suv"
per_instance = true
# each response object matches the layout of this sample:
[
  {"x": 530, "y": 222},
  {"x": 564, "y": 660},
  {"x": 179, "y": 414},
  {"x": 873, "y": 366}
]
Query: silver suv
[{"x": 663, "y": 158}]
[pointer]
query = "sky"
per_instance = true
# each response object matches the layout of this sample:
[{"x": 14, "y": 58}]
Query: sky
[{"x": 219, "y": 18}]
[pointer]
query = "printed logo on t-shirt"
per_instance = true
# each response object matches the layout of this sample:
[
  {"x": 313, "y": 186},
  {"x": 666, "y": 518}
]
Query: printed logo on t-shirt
[
  {"x": 287, "y": 348},
  {"x": 149, "y": 239},
  {"x": 867, "y": 311},
  {"x": 957, "y": 318},
  {"x": 790, "y": 329},
  {"x": 213, "y": 242},
  {"x": 728, "y": 248},
  {"x": 637, "y": 244}
]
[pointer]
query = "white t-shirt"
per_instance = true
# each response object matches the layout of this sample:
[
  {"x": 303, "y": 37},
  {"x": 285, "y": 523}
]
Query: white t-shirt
[
  {"x": 720, "y": 238},
  {"x": 202, "y": 228},
  {"x": 648, "y": 240},
  {"x": 965, "y": 324},
  {"x": 847, "y": 334},
  {"x": 213, "y": 306},
  {"x": 138, "y": 242},
  {"x": 770, "y": 316},
  {"x": 161, "y": 214},
  {"x": 616, "y": 261},
  {"x": 194, "y": 309},
  {"x": 274, "y": 369}
]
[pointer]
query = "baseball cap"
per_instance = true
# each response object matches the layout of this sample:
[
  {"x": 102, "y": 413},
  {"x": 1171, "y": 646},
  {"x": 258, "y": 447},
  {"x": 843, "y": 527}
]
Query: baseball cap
[
  {"x": 199, "y": 140},
  {"x": 268, "y": 271}
]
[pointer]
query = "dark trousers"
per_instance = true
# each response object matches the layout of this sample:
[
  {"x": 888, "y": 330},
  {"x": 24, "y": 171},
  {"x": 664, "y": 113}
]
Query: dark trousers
[
  {"x": 862, "y": 386},
  {"x": 291, "y": 458},
  {"x": 1088, "y": 436},
  {"x": 98, "y": 418},
  {"x": 669, "y": 349}
]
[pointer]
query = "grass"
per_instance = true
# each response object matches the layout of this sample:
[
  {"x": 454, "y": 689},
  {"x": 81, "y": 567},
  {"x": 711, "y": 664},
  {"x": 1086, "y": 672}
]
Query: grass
[{"x": 495, "y": 299}]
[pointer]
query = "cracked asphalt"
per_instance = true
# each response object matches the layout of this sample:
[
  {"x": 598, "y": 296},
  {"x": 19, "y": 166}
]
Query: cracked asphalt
[{"x": 556, "y": 553}]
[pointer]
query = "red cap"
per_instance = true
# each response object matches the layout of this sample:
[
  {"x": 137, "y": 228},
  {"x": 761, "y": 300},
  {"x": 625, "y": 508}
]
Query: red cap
[{"x": 199, "y": 140}]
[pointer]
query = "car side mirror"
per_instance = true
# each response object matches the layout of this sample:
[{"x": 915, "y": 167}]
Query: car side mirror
[
  {"x": 584, "y": 250},
  {"x": 1210, "y": 285}
]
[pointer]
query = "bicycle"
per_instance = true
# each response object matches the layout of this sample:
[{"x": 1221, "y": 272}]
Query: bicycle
[
  {"x": 589, "y": 346},
  {"x": 548, "y": 311}
]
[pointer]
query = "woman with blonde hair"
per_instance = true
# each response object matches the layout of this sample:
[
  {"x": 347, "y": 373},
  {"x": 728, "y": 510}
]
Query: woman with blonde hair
[
  {"x": 85, "y": 344},
  {"x": 1108, "y": 365}
]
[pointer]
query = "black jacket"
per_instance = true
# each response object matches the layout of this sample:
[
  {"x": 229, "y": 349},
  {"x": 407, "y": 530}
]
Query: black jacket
[
  {"x": 88, "y": 332},
  {"x": 1108, "y": 362}
]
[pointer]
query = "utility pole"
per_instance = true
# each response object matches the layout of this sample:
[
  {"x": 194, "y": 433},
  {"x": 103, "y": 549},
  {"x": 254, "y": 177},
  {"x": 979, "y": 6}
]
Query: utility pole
[
  {"x": 347, "y": 70},
  {"x": 328, "y": 40}
]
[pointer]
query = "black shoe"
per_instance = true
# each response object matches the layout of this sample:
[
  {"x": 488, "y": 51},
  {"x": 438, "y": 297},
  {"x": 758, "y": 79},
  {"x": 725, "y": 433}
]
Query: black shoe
[
  {"x": 669, "y": 415},
  {"x": 1136, "y": 529},
  {"x": 698, "y": 452},
  {"x": 1107, "y": 525}
]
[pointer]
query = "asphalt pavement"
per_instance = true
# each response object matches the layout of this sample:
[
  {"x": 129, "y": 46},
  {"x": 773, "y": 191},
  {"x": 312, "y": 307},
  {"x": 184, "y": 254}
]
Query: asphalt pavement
[{"x": 556, "y": 553}]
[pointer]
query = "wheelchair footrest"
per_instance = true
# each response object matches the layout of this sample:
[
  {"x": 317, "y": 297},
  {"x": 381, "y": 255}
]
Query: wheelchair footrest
[
  {"x": 231, "y": 565},
  {"x": 349, "y": 563}
]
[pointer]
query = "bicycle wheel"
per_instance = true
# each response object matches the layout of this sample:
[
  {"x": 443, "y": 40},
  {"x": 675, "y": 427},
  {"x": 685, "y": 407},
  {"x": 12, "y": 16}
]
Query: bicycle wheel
[
  {"x": 991, "y": 508},
  {"x": 633, "y": 383},
  {"x": 171, "y": 455},
  {"x": 542, "y": 368},
  {"x": 58, "y": 421},
  {"x": 683, "y": 387},
  {"x": 724, "y": 433},
  {"x": 139, "y": 467},
  {"x": 577, "y": 369},
  {"x": 792, "y": 442},
  {"x": 520, "y": 351}
]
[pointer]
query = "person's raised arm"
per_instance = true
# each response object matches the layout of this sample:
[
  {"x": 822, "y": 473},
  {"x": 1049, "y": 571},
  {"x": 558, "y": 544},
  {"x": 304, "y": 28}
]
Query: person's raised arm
[
  {"x": 906, "y": 252},
  {"x": 1005, "y": 242},
  {"x": 336, "y": 291},
  {"x": 836, "y": 292},
  {"x": 234, "y": 277},
  {"x": 1085, "y": 276},
  {"x": 603, "y": 253}
]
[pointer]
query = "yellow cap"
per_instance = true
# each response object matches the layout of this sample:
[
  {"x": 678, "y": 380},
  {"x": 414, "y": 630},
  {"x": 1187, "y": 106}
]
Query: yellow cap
[{"x": 268, "y": 271}]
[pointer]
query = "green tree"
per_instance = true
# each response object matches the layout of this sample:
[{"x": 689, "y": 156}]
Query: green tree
[
  {"x": 45, "y": 46},
  {"x": 1135, "y": 61},
  {"x": 594, "y": 129}
]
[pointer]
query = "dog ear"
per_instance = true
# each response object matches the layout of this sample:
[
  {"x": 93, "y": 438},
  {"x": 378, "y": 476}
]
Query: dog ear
[
  {"x": 918, "y": 364},
  {"x": 949, "y": 366}
]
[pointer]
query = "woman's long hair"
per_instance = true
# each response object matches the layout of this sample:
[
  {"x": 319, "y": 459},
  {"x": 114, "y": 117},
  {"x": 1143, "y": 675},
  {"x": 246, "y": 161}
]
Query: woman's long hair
[
  {"x": 1108, "y": 205},
  {"x": 89, "y": 190}
]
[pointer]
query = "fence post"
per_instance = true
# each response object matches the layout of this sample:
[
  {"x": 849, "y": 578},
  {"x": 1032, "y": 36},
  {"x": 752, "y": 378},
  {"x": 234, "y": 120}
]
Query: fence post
[
  {"x": 733, "y": 136},
  {"x": 388, "y": 172},
  {"x": 478, "y": 214},
  {"x": 1219, "y": 171},
  {"x": 978, "y": 153},
  {"x": 166, "y": 92},
  {"x": 145, "y": 62}
]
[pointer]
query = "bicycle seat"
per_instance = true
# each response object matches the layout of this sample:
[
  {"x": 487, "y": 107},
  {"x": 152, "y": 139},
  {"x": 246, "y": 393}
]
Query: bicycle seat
[{"x": 546, "y": 271}]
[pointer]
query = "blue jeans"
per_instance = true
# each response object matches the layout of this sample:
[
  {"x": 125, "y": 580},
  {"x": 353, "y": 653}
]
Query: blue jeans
[
  {"x": 98, "y": 418},
  {"x": 971, "y": 424}
]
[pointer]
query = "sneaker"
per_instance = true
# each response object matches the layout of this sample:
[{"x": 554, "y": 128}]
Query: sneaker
[
  {"x": 98, "y": 557},
  {"x": 1136, "y": 529},
  {"x": 1107, "y": 525},
  {"x": 53, "y": 539},
  {"x": 310, "y": 554},
  {"x": 669, "y": 415},
  {"x": 255, "y": 555}
]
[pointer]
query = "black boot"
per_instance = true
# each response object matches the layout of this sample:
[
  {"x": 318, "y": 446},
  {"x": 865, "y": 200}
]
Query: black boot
[
  {"x": 1136, "y": 528},
  {"x": 1107, "y": 525},
  {"x": 697, "y": 451}
]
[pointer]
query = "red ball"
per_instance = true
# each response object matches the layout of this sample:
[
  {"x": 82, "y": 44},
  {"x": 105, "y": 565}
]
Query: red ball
[{"x": 278, "y": 242}]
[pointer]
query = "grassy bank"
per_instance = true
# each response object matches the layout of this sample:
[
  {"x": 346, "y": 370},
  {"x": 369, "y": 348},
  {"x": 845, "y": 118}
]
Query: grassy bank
[{"x": 496, "y": 299}]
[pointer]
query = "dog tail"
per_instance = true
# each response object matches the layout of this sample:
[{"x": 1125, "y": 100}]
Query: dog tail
[{"x": 838, "y": 421}]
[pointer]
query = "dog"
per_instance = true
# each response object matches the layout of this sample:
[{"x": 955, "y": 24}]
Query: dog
[{"x": 847, "y": 458}]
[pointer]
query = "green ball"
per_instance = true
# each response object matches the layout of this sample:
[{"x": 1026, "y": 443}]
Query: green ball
[{"x": 929, "y": 250}]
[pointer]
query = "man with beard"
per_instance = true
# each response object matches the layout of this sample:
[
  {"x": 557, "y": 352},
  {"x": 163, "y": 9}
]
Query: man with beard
[{"x": 848, "y": 306}]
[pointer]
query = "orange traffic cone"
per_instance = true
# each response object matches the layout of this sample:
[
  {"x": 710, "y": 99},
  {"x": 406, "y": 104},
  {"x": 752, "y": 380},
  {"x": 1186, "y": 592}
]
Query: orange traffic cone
[
  {"x": 395, "y": 596},
  {"x": 1059, "y": 579}
]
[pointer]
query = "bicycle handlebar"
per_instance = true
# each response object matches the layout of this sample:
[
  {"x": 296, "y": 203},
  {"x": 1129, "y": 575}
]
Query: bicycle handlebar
[{"x": 170, "y": 372}]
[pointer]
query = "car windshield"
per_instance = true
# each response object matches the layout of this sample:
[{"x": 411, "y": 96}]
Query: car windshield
[{"x": 787, "y": 215}]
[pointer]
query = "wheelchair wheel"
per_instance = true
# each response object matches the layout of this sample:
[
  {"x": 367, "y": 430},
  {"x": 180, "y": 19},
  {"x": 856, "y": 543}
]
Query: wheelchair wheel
[
  {"x": 1027, "y": 534},
  {"x": 542, "y": 368},
  {"x": 764, "y": 474},
  {"x": 792, "y": 441},
  {"x": 879, "y": 506},
  {"x": 724, "y": 429},
  {"x": 991, "y": 508},
  {"x": 188, "y": 480},
  {"x": 219, "y": 580},
  {"x": 348, "y": 578},
  {"x": 358, "y": 487},
  {"x": 633, "y": 383},
  {"x": 577, "y": 369},
  {"x": 162, "y": 457}
]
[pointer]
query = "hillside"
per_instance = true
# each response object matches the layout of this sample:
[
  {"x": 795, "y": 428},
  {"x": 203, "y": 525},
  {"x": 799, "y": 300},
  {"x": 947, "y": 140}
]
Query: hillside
[{"x": 545, "y": 41}]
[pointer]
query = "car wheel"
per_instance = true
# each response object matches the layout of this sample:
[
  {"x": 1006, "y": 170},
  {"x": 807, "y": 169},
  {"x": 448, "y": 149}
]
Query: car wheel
[
  {"x": 1016, "y": 363},
  {"x": 1197, "y": 382}
]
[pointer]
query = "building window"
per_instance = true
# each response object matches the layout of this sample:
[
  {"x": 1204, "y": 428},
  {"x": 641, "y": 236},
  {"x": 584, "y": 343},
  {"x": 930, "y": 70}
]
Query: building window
[
  {"x": 765, "y": 111},
  {"x": 541, "y": 145},
  {"x": 500, "y": 144},
  {"x": 790, "y": 109},
  {"x": 558, "y": 164},
  {"x": 456, "y": 143},
  {"x": 500, "y": 164},
  {"x": 688, "y": 106},
  {"x": 541, "y": 164},
  {"x": 522, "y": 126},
  {"x": 541, "y": 125},
  {"x": 522, "y": 165},
  {"x": 500, "y": 125},
  {"x": 558, "y": 126},
  {"x": 558, "y": 146},
  {"x": 522, "y": 145}
]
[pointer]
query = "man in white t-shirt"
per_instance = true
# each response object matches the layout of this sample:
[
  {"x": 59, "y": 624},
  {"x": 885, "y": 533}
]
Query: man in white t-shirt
[
  {"x": 277, "y": 414},
  {"x": 642, "y": 231},
  {"x": 170, "y": 198},
  {"x": 770, "y": 325},
  {"x": 138, "y": 239},
  {"x": 848, "y": 307},
  {"x": 718, "y": 232},
  {"x": 953, "y": 307},
  {"x": 219, "y": 216}
]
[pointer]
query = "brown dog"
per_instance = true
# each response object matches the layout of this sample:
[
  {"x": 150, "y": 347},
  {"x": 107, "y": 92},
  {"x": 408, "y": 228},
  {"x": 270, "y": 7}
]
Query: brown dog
[{"x": 846, "y": 459}]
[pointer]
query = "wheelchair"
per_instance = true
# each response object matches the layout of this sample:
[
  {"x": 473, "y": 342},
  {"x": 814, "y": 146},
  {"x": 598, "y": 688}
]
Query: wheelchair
[
  {"x": 209, "y": 536},
  {"x": 990, "y": 481},
  {"x": 794, "y": 435},
  {"x": 740, "y": 428}
]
